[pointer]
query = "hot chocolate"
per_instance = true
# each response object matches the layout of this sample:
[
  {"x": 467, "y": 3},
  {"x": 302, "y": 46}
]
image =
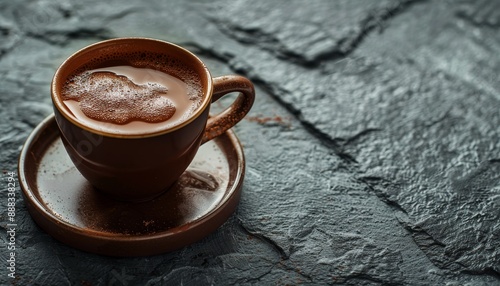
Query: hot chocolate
[
  {"x": 133, "y": 112},
  {"x": 127, "y": 99}
]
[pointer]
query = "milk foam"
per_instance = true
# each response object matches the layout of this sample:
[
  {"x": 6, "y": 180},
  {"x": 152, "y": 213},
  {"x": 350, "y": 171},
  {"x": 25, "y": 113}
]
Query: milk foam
[{"x": 126, "y": 99}]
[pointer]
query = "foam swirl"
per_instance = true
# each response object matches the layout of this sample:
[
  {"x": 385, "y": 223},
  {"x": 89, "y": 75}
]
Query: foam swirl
[{"x": 108, "y": 97}]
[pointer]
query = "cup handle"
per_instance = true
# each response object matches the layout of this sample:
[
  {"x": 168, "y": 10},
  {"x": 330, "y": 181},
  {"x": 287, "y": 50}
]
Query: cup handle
[{"x": 220, "y": 123}]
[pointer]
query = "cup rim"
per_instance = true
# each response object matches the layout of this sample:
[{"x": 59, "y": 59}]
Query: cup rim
[{"x": 207, "y": 95}]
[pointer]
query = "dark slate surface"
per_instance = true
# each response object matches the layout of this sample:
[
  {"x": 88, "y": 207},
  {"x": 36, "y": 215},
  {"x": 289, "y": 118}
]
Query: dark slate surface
[{"x": 373, "y": 149}]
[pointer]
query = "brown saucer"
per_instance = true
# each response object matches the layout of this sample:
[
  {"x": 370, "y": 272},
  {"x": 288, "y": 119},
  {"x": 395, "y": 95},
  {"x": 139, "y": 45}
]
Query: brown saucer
[{"x": 67, "y": 207}]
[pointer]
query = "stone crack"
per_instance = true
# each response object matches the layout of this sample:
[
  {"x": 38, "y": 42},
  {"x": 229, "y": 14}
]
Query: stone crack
[{"x": 265, "y": 239}]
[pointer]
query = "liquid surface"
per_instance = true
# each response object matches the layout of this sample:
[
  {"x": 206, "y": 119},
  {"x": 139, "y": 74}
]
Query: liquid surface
[{"x": 128, "y": 100}]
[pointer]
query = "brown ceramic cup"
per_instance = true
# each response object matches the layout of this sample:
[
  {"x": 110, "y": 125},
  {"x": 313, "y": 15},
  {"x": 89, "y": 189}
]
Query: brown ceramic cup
[{"x": 141, "y": 166}]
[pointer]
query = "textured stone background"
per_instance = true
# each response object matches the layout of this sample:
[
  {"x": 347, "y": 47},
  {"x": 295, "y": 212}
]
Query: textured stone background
[{"x": 373, "y": 149}]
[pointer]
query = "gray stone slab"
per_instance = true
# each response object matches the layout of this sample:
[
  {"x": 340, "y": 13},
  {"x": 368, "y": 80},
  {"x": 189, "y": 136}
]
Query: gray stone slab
[{"x": 372, "y": 149}]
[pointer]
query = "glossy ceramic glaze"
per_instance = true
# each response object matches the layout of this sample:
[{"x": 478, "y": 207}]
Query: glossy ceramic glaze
[
  {"x": 67, "y": 206},
  {"x": 139, "y": 167}
]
